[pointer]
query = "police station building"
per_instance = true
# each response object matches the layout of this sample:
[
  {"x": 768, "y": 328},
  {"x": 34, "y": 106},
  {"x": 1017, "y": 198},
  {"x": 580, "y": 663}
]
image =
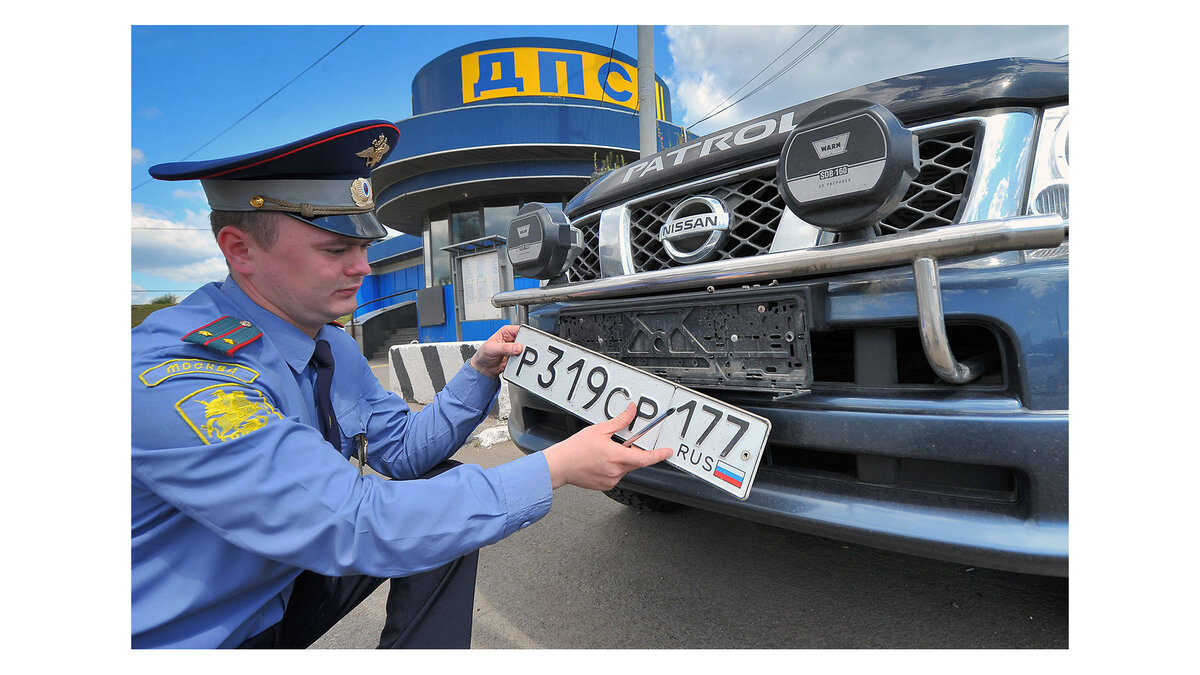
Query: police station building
[{"x": 495, "y": 124}]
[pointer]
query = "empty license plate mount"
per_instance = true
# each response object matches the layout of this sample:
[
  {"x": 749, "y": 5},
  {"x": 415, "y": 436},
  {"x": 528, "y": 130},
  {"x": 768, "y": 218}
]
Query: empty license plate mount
[{"x": 755, "y": 340}]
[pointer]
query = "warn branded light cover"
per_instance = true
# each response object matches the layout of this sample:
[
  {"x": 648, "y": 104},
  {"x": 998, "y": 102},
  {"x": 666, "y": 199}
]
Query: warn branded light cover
[
  {"x": 541, "y": 241},
  {"x": 847, "y": 165}
]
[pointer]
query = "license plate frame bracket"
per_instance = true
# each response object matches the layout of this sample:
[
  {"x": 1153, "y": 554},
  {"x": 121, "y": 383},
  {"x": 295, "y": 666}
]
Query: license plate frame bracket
[{"x": 752, "y": 340}]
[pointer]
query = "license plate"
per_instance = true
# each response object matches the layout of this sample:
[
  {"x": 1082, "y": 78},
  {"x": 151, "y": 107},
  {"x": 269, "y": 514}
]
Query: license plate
[{"x": 714, "y": 441}]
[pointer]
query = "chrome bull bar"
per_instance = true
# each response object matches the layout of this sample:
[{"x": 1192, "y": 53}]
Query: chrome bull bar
[{"x": 921, "y": 249}]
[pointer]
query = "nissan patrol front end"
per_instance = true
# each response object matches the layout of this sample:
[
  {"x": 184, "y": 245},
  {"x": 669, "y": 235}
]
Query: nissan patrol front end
[{"x": 881, "y": 273}]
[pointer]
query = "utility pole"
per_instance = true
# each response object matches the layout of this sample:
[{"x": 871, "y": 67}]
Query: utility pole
[{"x": 647, "y": 101}]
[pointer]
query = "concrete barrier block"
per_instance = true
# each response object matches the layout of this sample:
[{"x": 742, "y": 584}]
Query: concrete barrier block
[{"x": 419, "y": 371}]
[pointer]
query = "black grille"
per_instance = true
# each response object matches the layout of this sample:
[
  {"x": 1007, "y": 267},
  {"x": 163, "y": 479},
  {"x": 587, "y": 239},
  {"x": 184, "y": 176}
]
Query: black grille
[
  {"x": 936, "y": 194},
  {"x": 587, "y": 266},
  {"x": 934, "y": 198},
  {"x": 755, "y": 208}
]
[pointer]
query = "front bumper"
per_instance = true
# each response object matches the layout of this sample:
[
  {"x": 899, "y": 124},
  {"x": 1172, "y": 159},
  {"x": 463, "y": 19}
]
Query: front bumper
[
  {"x": 1027, "y": 533},
  {"x": 975, "y": 474}
]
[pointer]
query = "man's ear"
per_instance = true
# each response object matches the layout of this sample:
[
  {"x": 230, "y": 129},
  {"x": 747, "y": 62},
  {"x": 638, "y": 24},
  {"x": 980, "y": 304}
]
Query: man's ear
[{"x": 238, "y": 248}]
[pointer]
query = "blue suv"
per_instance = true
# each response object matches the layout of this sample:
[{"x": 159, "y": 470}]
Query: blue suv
[{"x": 905, "y": 331}]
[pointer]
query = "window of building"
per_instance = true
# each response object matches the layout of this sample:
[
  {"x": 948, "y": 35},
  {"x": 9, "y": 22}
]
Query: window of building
[
  {"x": 465, "y": 225},
  {"x": 496, "y": 218},
  {"x": 439, "y": 263},
  {"x": 473, "y": 220}
]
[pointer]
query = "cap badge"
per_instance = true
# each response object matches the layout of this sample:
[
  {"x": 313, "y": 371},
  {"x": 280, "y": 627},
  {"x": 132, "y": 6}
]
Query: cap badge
[
  {"x": 379, "y": 148},
  {"x": 360, "y": 191}
]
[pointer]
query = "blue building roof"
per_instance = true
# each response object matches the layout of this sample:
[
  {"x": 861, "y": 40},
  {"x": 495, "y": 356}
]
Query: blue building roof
[
  {"x": 513, "y": 116},
  {"x": 395, "y": 247}
]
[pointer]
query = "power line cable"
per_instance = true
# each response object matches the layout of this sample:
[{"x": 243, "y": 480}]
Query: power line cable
[
  {"x": 814, "y": 47},
  {"x": 789, "y": 48},
  {"x": 263, "y": 102},
  {"x": 611, "y": 48},
  {"x": 803, "y": 55}
]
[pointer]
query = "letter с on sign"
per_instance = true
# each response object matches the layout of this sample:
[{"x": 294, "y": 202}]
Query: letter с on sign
[
  {"x": 534, "y": 71},
  {"x": 714, "y": 441}
]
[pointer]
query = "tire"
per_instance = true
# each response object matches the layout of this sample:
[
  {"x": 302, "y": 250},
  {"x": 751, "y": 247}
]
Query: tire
[{"x": 641, "y": 502}]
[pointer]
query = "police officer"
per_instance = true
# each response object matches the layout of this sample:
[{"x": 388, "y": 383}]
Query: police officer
[{"x": 249, "y": 526}]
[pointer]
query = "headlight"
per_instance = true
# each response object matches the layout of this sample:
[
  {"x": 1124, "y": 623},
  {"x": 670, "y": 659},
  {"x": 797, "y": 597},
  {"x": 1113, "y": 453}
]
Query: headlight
[{"x": 1049, "y": 189}]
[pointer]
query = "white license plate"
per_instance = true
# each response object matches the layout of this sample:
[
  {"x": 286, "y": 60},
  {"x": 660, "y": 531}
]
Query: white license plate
[{"x": 712, "y": 440}]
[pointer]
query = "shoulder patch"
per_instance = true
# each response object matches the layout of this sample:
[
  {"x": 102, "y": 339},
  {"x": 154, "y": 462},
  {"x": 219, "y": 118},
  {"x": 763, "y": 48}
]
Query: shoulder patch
[
  {"x": 223, "y": 412},
  {"x": 170, "y": 368},
  {"x": 226, "y": 335}
]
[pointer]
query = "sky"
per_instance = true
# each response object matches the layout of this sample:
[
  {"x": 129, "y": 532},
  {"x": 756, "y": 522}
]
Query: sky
[{"x": 204, "y": 92}]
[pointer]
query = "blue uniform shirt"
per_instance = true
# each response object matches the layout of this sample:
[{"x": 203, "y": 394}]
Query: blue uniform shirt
[{"x": 235, "y": 491}]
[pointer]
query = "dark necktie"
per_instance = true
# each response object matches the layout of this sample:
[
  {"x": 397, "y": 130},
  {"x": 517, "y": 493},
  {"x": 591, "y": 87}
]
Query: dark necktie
[{"x": 323, "y": 359}]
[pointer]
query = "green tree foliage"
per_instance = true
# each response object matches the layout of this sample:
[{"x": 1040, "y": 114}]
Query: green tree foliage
[{"x": 140, "y": 312}]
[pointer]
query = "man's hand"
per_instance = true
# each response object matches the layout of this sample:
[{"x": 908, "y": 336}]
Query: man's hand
[
  {"x": 592, "y": 459},
  {"x": 492, "y": 355}
]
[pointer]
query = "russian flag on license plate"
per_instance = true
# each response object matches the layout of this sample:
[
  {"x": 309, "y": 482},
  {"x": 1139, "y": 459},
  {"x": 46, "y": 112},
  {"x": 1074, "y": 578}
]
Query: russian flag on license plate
[{"x": 729, "y": 474}]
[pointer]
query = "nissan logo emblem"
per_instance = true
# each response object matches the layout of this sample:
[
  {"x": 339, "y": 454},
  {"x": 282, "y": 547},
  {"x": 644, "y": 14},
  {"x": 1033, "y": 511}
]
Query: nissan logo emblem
[{"x": 695, "y": 229}]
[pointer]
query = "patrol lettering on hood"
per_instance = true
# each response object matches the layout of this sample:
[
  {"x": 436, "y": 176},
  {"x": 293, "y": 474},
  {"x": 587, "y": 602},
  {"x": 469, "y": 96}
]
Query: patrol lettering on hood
[{"x": 746, "y": 134}]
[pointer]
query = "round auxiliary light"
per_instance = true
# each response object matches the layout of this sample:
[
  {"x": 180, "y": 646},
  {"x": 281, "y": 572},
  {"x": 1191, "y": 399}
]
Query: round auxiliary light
[
  {"x": 847, "y": 165},
  {"x": 542, "y": 244}
]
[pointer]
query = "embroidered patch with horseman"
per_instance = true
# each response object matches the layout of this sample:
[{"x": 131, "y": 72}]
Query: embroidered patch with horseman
[{"x": 224, "y": 412}]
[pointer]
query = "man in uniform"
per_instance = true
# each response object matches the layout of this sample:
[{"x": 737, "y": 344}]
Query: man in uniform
[{"x": 249, "y": 526}]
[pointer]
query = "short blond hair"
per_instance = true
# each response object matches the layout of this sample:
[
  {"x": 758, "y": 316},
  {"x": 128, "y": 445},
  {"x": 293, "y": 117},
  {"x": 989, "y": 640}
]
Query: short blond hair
[{"x": 260, "y": 225}]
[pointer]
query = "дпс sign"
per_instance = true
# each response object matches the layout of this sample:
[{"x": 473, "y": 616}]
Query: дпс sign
[{"x": 714, "y": 441}]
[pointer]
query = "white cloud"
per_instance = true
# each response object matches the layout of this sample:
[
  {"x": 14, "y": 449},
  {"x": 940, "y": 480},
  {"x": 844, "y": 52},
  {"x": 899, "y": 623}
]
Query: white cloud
[
  {"x": 196, "y": 194},
  {"x": 138, "y": 156},
  {"x": 712, "y": 62},
  {"x": 179, "y": 251}
]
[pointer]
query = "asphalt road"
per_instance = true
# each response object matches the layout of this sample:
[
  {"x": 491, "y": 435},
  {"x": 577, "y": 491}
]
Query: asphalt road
[{"x": 595, "y": 574}]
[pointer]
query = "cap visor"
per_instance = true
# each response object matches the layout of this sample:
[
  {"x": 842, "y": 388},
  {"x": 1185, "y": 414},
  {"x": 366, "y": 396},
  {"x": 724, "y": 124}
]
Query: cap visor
[{"x": 359, "y": 225}]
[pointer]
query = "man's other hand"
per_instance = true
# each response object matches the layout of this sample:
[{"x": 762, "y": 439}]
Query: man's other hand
[{"x": 492, "y": 355}]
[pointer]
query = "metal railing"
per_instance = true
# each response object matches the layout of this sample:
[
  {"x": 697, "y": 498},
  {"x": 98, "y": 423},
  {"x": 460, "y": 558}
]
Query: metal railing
[
  {"x": 921, "y": 250},
  {"x": 354, "y": 314}
]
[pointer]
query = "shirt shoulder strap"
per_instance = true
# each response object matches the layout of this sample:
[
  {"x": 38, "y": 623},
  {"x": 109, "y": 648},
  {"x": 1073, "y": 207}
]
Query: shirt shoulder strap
[{"x": 226, "y": 335}]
